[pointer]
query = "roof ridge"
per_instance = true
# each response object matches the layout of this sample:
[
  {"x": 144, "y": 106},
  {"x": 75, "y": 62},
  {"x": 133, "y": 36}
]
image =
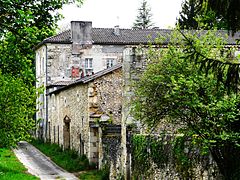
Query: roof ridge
[{"x": 106, "y": 36}]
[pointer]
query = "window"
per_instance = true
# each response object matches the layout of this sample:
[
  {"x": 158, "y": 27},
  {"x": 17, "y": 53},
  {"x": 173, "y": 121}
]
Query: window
[
  {"x": 88, "y": 66},
  {"x": 88, "y": 63},
  {"x": 110, "y": 63}
]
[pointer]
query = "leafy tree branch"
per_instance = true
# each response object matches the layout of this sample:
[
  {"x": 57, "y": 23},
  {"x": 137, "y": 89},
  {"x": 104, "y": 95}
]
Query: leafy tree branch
[{"x": 176, "y": 89}]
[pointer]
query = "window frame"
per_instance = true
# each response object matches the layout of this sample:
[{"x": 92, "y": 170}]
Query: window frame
[
  {"x": 88, "y": 63},
  {"x": 110, "y": 62}
]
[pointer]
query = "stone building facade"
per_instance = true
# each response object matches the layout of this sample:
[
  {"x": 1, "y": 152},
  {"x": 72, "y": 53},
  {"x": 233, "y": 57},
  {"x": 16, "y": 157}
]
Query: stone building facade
[
  {"x": 81, "y": 106},
  {"x": 80, "y": 52},
  {"x": 84, "y": 112},
  {"x": 86, "y": 74}
]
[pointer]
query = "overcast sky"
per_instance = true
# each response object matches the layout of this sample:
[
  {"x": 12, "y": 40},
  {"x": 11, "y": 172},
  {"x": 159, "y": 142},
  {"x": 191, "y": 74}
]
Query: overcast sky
[{"x": 108, "y": 13}]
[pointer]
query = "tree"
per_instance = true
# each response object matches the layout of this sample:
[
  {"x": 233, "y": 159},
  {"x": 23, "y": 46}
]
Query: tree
[
  {"x": 218, "y": 14},
  {"x": 214, "y": 15},
  {"x": 198, "y": 14},
  {"x": 175, "y": 89},
  {"x": 16, "y": 110},
  {"x": 228, "y": 10},
  {"x": 23, "y": 25},
  {"x": 143, "y": 20},
  {"x": 190, "y": 9}
]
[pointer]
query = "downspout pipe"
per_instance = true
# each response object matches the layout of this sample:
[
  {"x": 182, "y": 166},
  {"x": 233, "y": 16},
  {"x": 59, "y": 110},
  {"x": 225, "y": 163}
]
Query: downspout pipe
[{"x": 46, "y": 97}]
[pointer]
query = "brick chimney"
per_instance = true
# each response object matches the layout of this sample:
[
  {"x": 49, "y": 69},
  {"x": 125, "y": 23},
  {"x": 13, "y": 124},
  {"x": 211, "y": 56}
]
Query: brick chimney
[{"x": 81, "y": 32}]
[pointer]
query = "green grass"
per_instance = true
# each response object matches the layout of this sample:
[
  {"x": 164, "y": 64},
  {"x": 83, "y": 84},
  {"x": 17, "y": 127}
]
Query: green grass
[
  {"x": 93, "y": 174},
  {"x": 71, "y": 161},
  {"x": 11, "y": 168},
  {"x": 68, "y": 159}
]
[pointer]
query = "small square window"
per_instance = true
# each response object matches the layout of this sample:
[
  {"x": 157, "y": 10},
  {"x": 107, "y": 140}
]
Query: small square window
[
  {"x": 110, "y": 63},
  {"x": 88, "y": 63}
]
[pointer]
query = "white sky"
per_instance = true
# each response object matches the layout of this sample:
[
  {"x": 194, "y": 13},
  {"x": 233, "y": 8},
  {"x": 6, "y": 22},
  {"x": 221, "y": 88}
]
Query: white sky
[{"x": 108, "y": 13}]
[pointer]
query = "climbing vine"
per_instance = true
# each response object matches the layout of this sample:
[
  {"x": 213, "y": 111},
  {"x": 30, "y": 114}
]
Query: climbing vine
[
  {"x": 162, "y": 151},
  {"x": 148, "y": 150}
]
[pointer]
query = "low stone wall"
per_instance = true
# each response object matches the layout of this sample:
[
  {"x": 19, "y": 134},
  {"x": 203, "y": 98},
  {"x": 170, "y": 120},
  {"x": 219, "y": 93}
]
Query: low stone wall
[
  {"x": 164, "y": 164},
  {"x": 170, "y": 157}
]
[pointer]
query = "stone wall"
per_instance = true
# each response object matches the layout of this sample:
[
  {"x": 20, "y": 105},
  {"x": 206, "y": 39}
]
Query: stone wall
[
  {"x": 105, "y": 96},
  {"x": 105, "y": 105},
  {"x": 41, "y": 104},
  {"x": 157, "y": 157},
  {"x": 132, "y": 69},
  {"x": 134, "y": 64},
  {"x": 82, "y": 105},
  {"x": 61, "y": 60},
  {"x": 57, "y": 63},
  {"x": 71, "y": 103}
]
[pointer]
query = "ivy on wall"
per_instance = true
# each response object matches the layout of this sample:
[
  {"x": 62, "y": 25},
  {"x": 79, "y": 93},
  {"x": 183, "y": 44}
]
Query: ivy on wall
[
  {"x": 147, "y": 150},
  {"x": 178, "y": 152}
]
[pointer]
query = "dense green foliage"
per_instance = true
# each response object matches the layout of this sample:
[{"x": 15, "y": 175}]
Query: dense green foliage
[
  {"x": 165, "y": 151},
  {"x": 174, "y": 88},
  {"x": 195, "y": 15},
  {"x": 16, "y": 110},
  {"x": 71, "y": 161},
  {"x": 218, "y": 14},
  {"x": 23, "y": 25},
  {"x": 228, "y": 11},
  {"x": 147, "y": 150},
  {"x": 11, "y": 168},
  {"x": 143, "y": 19},
  {"x": 67, "y": 159},
  {"x": 95, "y": 174},
  {"x": 190, "y": 9}
]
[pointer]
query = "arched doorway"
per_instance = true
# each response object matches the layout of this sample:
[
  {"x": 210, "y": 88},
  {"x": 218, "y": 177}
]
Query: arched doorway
[{"x": 66, "y": 132}]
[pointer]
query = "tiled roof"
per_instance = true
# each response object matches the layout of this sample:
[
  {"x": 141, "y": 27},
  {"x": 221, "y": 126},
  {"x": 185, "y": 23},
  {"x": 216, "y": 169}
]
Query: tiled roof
[
  {"x": 107, "y": 36},
  {"x": 88, "y": 78},
  {"x": 63, "y": 37},
  {"x": 126, "y": 36}
]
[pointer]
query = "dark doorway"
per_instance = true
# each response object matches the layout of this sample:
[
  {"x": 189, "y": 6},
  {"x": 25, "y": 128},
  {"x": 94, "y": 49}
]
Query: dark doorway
[{"x": 66, "y": 133}]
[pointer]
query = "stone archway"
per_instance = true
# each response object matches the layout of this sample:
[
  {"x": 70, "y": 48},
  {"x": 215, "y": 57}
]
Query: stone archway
[{"x": 66, "y": 132}]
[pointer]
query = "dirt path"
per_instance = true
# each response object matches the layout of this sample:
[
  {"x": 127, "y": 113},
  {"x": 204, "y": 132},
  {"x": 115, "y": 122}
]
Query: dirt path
[{"x": 40, "y": 165}]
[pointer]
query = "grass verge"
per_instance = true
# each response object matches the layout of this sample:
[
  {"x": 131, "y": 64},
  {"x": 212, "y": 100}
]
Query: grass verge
[
  {"x": 11, "y": 168},
  {"x": 94, "y": 174},
  {"x": 71, "y": 161},
  {"x": 67, "y": 159}
]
